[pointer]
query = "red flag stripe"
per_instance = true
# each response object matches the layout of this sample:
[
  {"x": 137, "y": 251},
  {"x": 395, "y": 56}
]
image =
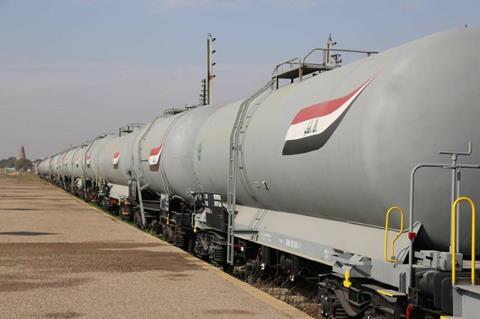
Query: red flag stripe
[
  {"x": 156, "y": 150},
  {"x": 322, "y": 108}
]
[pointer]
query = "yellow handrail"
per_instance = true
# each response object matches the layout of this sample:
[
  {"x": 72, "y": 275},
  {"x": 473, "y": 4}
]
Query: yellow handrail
[
  {"x": 453, "y": 239},
  {"x": 391, "y": 258}
]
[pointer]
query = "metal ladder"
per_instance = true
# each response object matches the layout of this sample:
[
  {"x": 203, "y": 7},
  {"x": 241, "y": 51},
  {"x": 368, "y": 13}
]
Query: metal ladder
[
  {"x": 456, "y": 168},
  {"x": 139, "y": 174},
  {"x": 139, "y": 170},
  {"x": 233, "y": 168}
]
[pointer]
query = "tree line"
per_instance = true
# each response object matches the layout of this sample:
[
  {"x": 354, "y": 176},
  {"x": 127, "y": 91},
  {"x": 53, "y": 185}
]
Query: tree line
[{"x": 12, "y": 162}]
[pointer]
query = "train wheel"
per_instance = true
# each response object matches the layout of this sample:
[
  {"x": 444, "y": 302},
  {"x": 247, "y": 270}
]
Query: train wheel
[
  {"x": 331, "y": 307},
  {"x": 155, "y": 227},
  {"x": 137, "y": 219}
]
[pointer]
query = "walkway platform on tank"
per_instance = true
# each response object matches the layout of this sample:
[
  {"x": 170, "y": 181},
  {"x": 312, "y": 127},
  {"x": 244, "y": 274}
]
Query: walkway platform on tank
[{"x": 61, "y": 258}]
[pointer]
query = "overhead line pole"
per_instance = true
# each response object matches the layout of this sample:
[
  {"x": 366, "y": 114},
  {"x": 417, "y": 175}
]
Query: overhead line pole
[{"x": 210, "y": 64}]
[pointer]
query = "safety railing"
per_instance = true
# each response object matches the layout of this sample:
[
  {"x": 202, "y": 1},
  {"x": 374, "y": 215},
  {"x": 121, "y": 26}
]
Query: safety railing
[
  {"x": 453, "y": 239},
  {"x": 327, "y": 50},
  {"x": 289, "y": 64},
  {"x": 391, "y": 258}
]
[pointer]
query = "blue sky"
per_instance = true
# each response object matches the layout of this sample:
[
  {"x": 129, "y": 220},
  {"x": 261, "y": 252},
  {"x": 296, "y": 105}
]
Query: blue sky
[{"x": 72, "y": 69}]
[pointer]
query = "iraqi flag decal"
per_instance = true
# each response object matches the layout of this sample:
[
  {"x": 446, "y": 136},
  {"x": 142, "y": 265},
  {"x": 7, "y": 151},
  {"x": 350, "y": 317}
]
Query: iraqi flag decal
[
  {"x": 89, "y": 160},
  {"x": 116, "y": 158},
  {"x": 154, "y": 157},
  {"x": 313, "y": 125}
]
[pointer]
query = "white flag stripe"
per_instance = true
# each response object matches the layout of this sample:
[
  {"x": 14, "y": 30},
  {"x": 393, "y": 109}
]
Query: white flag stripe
[
  {"x": 297, "y": 131},
  {"x": 153, "y": 159}
]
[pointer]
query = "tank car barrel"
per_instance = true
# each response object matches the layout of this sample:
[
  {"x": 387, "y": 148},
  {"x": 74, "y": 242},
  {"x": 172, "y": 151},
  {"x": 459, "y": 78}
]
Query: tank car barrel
[{"x": 331, "y": 151}]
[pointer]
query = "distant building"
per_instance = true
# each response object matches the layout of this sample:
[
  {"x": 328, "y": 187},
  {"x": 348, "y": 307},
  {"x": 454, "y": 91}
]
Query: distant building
[{"x": 21, "y": 154}]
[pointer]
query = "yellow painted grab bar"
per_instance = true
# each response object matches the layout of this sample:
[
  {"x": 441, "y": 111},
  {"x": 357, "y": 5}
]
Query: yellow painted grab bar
[
  {"x": 453, "y": 239},
  {"x": 391, "y": 258}
]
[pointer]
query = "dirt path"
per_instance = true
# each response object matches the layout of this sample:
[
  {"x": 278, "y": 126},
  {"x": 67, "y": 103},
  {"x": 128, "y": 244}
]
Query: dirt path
[{"x": 60, "y": 258}]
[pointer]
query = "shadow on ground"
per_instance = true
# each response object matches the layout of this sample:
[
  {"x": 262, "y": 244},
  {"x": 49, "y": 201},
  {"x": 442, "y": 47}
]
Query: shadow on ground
[{"x": 48, "y": 264}]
